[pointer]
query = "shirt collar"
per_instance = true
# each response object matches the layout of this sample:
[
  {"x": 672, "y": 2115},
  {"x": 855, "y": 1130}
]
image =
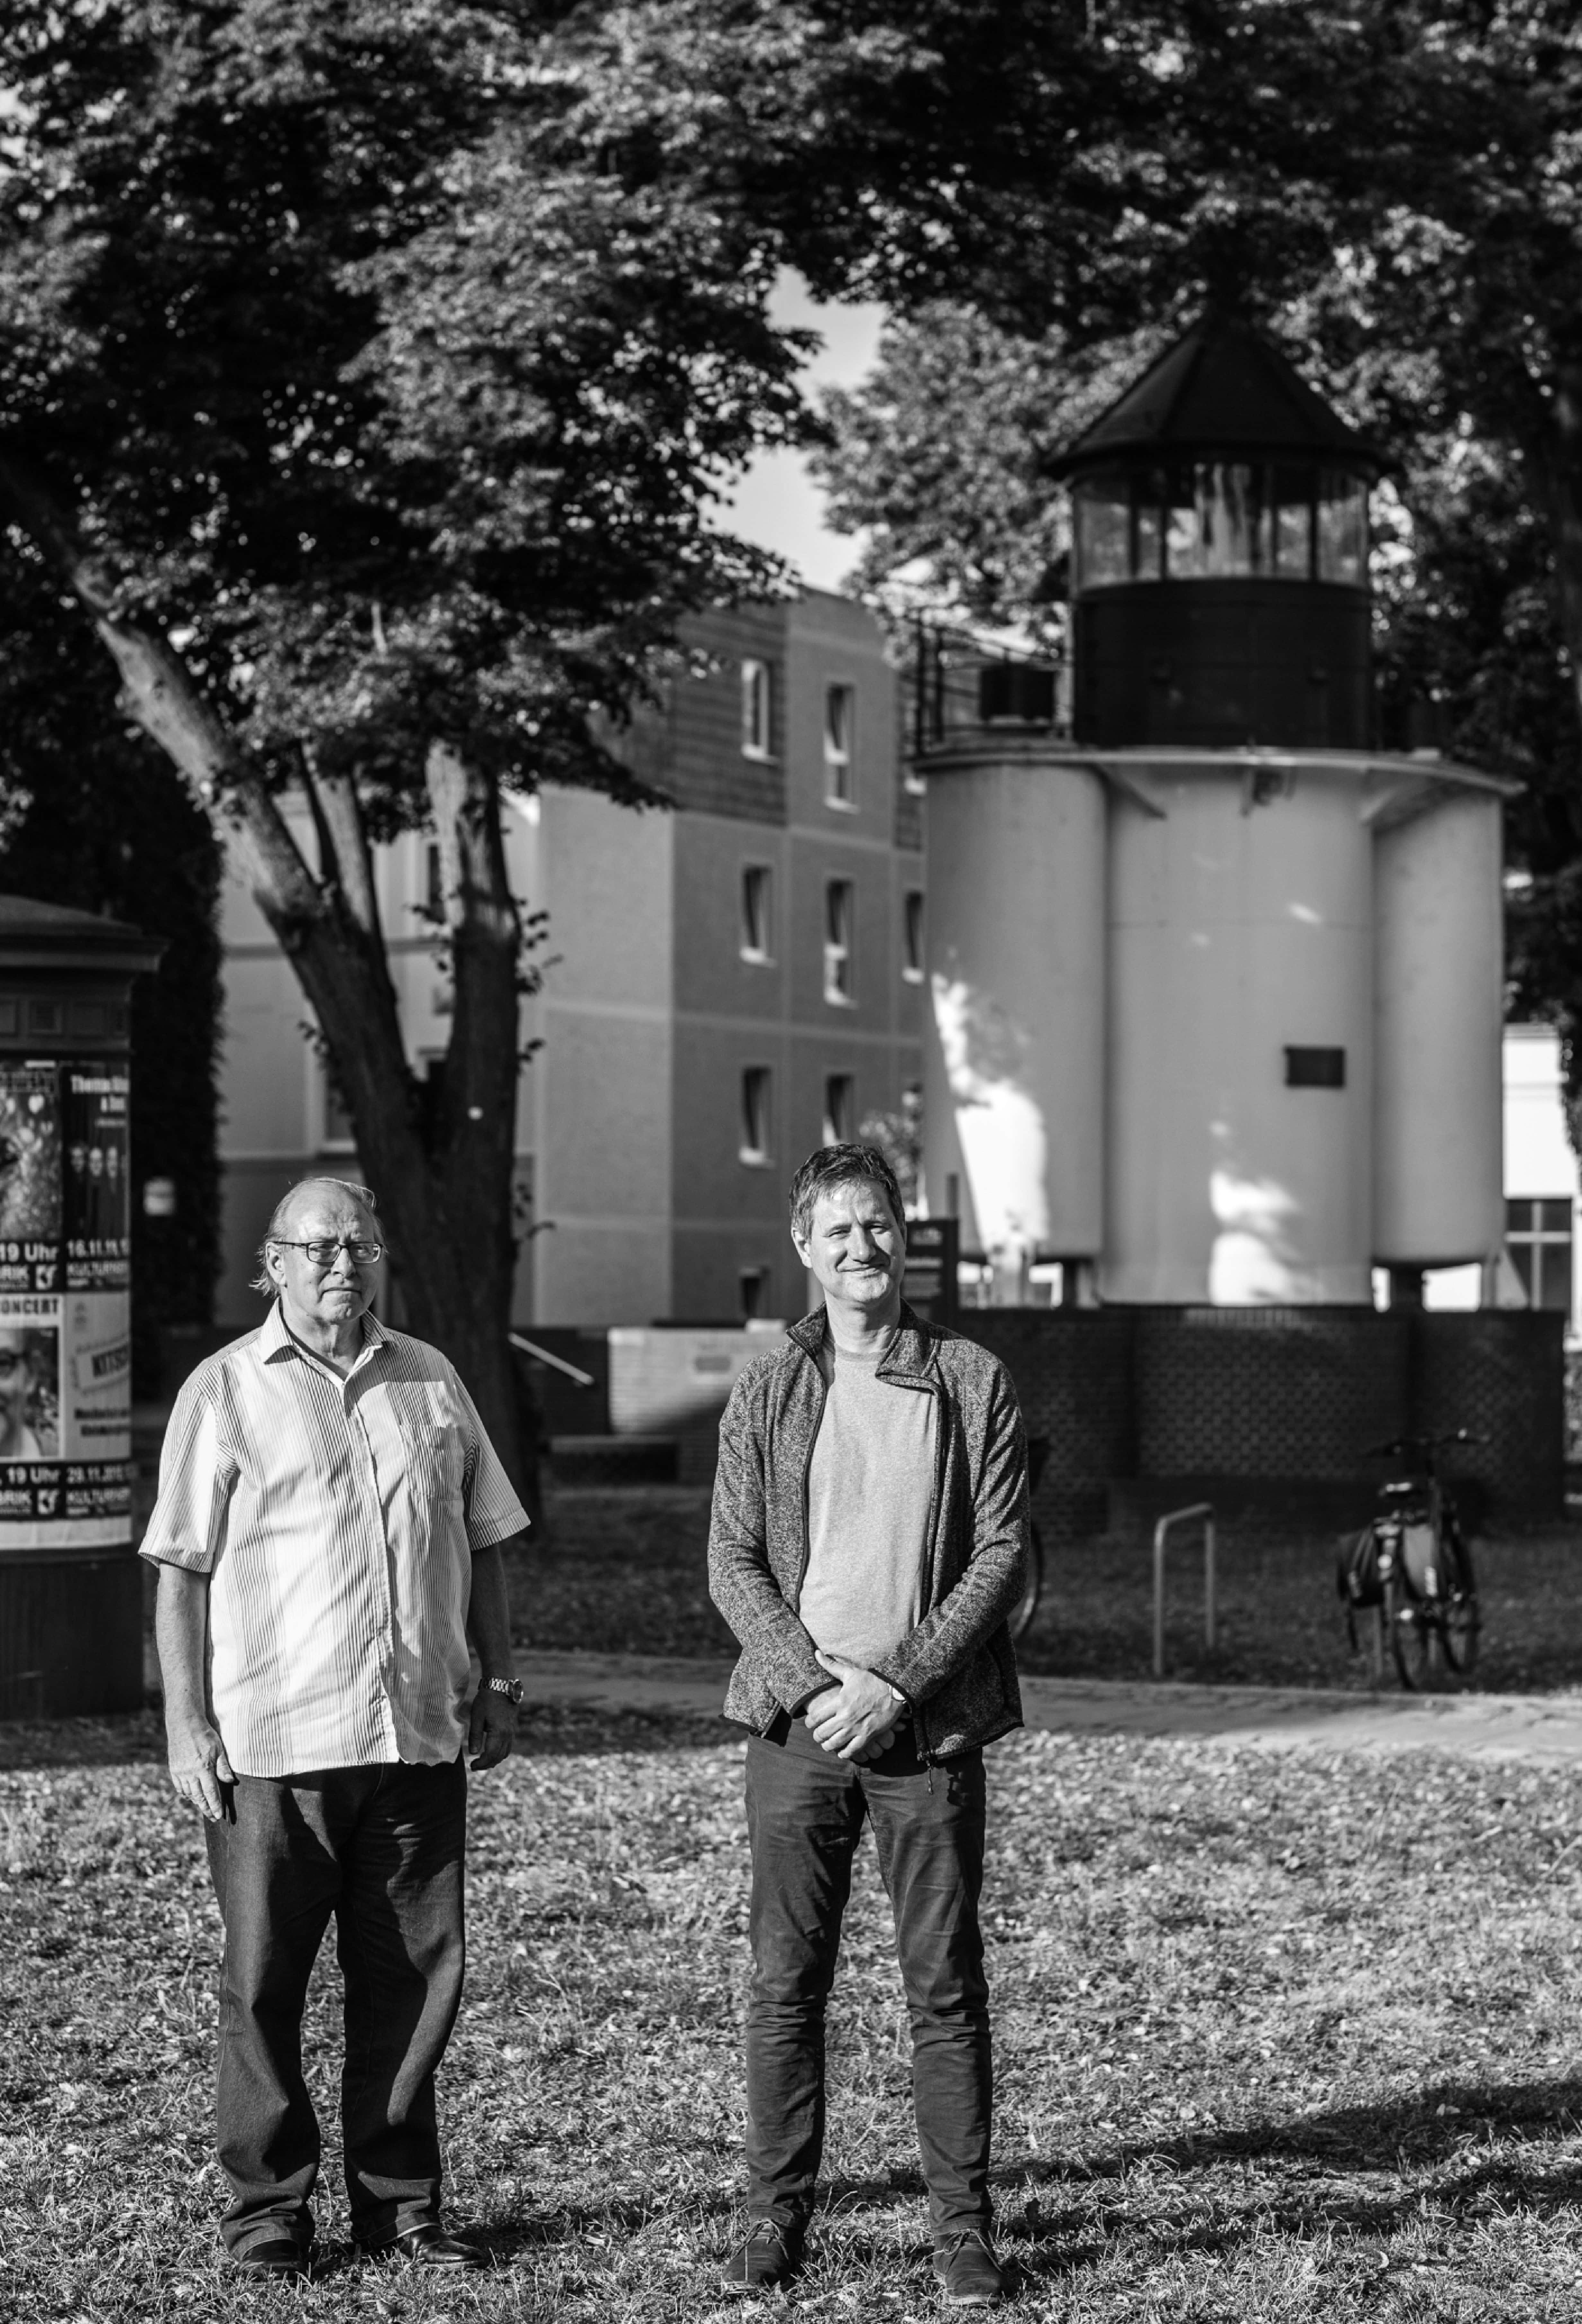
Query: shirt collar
[{"x": 275, "y": 1339}]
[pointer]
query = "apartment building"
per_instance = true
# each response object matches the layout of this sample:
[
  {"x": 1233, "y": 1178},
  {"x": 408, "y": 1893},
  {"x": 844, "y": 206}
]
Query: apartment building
[{"x": 729, "y": 982}]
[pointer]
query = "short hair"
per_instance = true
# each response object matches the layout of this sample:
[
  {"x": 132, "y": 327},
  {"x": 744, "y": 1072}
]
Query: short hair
[
  {"x": 838, "y": 1166},
  {"x": 364, "y": 1195}
]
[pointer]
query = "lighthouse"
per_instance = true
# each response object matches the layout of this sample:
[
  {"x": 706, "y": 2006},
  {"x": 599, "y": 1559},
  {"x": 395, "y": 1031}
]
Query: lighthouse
[{"x": 1216, "y": 984}]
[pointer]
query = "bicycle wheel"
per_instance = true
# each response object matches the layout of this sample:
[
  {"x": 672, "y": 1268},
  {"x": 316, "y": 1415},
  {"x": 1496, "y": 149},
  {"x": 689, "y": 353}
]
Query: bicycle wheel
[
  {"x": 1463, "y": 1615},
  {"x": 1026, "y": 1605},
  {"x": 1411, "y": 1633}
]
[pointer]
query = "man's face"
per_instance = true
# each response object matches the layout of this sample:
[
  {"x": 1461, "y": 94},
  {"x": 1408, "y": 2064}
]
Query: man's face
[
  {"x": 856, "y": 1247},
  {"x": 316, "y": 1296}
]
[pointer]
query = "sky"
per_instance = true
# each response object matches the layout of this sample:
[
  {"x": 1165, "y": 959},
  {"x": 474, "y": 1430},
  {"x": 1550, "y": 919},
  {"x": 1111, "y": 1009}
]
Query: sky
[{"x": 776, "y": 504}]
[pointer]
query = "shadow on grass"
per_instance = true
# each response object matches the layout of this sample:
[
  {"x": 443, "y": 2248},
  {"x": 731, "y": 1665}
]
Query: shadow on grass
[{"x": 1471, "y": 2135}]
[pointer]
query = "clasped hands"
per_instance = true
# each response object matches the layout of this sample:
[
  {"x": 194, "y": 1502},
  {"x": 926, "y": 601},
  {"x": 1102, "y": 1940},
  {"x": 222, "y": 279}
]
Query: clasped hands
[{"x": 857, "y": 1716}]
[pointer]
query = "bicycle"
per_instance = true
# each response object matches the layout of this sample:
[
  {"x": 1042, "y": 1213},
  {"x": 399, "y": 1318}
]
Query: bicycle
[
  {"x": 1411, "y": 1564},
  {"x": 1026, "y": 1605}
]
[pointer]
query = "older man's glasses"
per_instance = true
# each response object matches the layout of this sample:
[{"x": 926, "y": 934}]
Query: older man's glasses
[{"x": 325, "y": 1254}]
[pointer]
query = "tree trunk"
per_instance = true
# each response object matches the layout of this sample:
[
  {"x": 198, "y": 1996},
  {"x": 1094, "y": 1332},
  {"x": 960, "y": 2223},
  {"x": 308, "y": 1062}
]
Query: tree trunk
[{"x": 441, "y": 1159}]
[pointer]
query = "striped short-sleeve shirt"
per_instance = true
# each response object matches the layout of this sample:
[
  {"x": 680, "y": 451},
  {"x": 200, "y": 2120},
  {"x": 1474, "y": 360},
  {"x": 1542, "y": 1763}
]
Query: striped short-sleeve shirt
[{"x": 337, "y": 1519}]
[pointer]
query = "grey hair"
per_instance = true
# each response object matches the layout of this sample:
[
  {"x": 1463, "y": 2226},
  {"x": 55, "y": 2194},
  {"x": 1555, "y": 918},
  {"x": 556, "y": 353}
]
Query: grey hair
[{"x": 365, "y": 1196}]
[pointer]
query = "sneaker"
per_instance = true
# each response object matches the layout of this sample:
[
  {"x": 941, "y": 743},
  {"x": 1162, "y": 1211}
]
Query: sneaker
[
  {"x": 970, "y": 2275},
  {"x": 772, "y": 2252}
]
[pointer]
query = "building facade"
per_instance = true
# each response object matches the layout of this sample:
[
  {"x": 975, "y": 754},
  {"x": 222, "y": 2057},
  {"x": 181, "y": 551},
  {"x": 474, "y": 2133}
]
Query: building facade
[{"x": 727, "y": 985}]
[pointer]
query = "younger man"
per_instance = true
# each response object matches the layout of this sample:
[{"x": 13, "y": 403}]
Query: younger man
[{"x": 869, "y": 1541}]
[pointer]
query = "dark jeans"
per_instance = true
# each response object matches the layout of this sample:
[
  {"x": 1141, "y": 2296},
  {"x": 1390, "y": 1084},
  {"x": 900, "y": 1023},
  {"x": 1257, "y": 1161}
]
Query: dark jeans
[
  {"x": 804, "y": 1814},
  {"x": 381, "y": 1848}
]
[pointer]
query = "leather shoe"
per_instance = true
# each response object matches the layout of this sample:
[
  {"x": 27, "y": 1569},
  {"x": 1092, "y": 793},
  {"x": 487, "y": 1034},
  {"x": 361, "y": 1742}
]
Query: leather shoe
[
  {"x": 970, "y": 2274},
  {"x": 771, "y": 2254},
  {"x": 271, "y": 2255},
  {"x": 427, "y": 2246}
]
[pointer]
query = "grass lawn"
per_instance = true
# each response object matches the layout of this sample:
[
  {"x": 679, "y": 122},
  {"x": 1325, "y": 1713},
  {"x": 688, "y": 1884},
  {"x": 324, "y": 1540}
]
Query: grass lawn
[
  {"x": 625, "y": 1573},
  {"x": 1278, "y": 2038}
]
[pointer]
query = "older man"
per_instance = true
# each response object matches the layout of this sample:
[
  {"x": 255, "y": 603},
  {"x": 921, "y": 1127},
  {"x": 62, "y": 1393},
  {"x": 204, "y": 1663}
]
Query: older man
[
  {"x": 869, "y": 1541},
  {"x": 328, "y": 1534}
]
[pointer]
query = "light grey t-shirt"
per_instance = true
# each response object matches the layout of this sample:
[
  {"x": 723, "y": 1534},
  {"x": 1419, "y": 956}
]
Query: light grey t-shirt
[{"x": 870, "y": 1494}]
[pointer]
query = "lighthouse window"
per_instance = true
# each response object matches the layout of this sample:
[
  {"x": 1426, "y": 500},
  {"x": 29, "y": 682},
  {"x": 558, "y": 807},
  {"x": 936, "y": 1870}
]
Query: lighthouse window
[
  {"x": 1104, "y": 530},
  {"x": 1342, "y": 514},
  {"x": 1217, "y": 519},
  {"x": 1291, "y": 523}
]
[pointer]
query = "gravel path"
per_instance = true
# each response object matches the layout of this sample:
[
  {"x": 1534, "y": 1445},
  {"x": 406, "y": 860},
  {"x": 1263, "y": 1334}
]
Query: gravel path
[{"x": 1540, "y": 1728}]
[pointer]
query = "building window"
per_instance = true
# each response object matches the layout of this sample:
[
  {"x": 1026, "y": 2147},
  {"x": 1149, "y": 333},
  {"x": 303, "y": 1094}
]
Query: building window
[
  {"x": 840, "y": 1109},
  {"x": 1538, "y": 1236},
  {"x": 334, "y": 1121},
  {"x": 840, "y": 718},
  {"x": 755, "y": 1114},
  {"x": 756, "y": 931},
  {"x": 912, "y": 937},
  {"x": 753, "y": 1292},
  {"x": 433, "y": 885},
  {"x": 838, "y": 942},
  {"x": 757, "y": 709}
]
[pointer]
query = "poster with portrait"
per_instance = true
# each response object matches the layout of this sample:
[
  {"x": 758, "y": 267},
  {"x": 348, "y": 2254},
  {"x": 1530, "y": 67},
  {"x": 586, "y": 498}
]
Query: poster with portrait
[
  {"x": 29, "y": 1178},
  {"x": 96, "y": 1204}
]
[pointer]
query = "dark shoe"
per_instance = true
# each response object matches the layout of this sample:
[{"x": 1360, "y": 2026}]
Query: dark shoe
[
  {"x": 969, "y": 2273},
  {"x": 271, "y": 2255},
  {"x": 771, "y": 2254},
  {"x": 427, "y": 2246}
]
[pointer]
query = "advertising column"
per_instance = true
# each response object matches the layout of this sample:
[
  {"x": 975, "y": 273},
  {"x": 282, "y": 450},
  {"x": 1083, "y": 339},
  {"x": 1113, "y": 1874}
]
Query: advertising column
[{"x": 65, "y": 1322}]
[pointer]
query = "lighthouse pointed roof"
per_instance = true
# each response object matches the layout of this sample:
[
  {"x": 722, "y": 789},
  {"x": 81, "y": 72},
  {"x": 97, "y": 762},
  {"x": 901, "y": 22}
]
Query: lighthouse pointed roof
[{"x": 1222, "y": 389}]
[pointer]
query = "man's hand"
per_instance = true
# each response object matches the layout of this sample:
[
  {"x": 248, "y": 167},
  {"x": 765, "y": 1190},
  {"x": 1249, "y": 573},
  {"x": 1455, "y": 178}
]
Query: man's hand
[
  {"x": 848, "y": 1719},
  {"x": 490, "y": 1729},
  {"x": 199, "y": 1765}
]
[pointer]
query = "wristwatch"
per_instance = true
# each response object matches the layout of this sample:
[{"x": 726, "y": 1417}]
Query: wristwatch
[{"x": 512, "y": 1688}]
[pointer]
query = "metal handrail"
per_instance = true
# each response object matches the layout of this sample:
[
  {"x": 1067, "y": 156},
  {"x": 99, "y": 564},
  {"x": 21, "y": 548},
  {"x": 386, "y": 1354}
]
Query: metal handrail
[
  {"x": 556, "y": 1363},
  {"x": 1205, "y": 1511}
]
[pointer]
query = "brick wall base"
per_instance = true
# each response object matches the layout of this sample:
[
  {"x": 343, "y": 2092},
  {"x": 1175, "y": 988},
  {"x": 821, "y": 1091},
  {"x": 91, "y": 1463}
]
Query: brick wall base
[{"x": 1279, "y": 1397}]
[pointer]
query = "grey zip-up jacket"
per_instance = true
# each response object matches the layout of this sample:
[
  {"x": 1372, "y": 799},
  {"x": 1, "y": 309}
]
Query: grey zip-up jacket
[{"x": 957, "y": 1670}]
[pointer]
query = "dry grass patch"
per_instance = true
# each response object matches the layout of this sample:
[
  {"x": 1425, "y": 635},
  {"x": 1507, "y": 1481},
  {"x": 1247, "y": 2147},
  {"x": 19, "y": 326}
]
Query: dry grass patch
[{"x": 1278, "y": 2039}]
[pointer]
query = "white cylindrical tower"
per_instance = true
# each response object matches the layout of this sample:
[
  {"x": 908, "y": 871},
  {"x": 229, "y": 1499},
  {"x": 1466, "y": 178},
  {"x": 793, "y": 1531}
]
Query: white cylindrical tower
[
  {"x": 1240, "y": 1033},
  {"x": 1014, "y": 1077},
  {"x": 1438, "y": 1194}
]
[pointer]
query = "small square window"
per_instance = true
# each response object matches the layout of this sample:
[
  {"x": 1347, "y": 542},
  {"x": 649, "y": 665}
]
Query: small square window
[
  {"x": 840, "y": 1109},
  {"x": 757, "y": 709},
  {"x": 912, "y": 937},
  {"x": 755, "y": 1114},
  {"x": 757, "y": 898},
  {"x": 753, "y": 1292},
  {"x": 840, "y": 719},
  {"x": 838, "y": 915}
]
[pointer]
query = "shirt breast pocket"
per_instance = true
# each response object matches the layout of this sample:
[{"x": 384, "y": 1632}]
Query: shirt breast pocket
[{"x": 436, "y": 1456}]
